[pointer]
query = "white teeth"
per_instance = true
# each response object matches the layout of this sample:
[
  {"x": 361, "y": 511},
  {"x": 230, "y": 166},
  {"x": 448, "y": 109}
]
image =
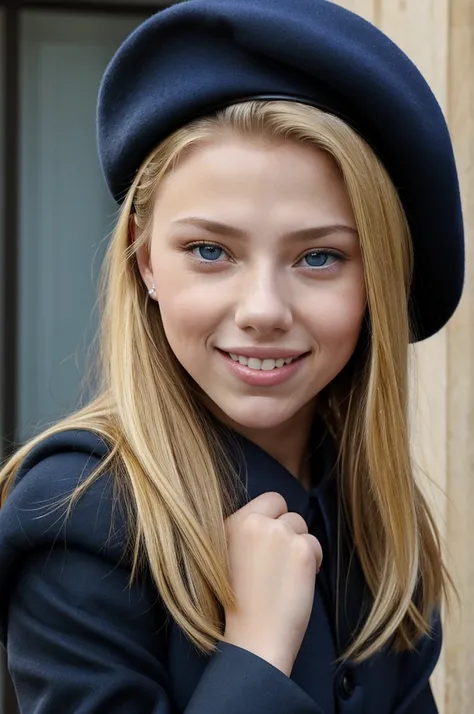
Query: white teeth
[{"x": 265, "y": 365}]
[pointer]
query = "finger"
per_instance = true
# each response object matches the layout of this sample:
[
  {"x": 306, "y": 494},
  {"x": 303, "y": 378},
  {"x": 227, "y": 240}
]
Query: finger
[
  {"x": 297, "y": 523},
  {"x": 316, "y": 546},
  {"x": 270, "y": 504}
]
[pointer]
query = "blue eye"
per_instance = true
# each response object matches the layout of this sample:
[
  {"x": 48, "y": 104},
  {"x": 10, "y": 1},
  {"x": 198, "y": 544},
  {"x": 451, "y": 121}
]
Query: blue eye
[
  {"x": 207, "y": 252},
  {"x": 319, "y": 259}
]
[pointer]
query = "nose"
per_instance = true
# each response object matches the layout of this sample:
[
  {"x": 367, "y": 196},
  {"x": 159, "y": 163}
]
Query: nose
[{"x": 263, "y": 305}]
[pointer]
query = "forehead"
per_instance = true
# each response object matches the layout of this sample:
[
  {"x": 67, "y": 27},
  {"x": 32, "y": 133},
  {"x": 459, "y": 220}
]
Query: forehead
[
  {"x": 234, "y": 171},
  {"x": 232, "y": 152}
]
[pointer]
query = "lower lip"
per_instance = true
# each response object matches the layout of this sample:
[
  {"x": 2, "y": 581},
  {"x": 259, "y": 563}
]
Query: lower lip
[{"x": 260, "y": 377}]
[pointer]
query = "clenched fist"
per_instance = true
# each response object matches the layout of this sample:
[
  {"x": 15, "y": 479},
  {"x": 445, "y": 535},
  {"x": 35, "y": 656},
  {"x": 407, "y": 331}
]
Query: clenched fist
[{"x": 273, "y": 565}]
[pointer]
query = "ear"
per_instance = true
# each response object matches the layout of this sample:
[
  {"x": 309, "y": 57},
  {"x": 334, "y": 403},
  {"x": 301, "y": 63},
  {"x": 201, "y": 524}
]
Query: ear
[{"x": 143, "y": 257}]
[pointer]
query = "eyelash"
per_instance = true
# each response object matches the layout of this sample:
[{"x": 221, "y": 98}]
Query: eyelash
[{"x": 335, "y": 254}]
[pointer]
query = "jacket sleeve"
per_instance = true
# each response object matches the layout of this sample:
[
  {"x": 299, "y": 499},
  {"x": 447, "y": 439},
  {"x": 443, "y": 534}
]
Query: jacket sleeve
[{"x": 81, "y": 640}]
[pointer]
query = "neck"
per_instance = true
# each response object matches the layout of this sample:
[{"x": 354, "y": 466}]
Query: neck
[{"x": 287, "y": 443}]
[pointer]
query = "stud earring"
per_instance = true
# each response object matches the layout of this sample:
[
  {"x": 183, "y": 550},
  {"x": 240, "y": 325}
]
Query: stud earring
[{"x": 152, "y": 290}]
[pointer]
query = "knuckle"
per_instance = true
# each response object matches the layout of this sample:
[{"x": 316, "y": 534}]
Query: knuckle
[
  {"x": 252, "y": 525},
  {"x": 318, "y": 551},
  {"x": 301, "y": 522},
  {"x": 304, "y": 549},
  {"x": 276, "y": 500},
  {"x": 279, "y": 528}
]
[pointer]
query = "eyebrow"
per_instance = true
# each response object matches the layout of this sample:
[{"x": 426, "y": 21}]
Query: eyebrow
[{"x": 231, "y": 231}]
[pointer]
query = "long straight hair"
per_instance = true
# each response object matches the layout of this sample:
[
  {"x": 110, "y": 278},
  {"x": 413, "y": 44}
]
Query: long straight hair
[{"x": 164, "y": 446}]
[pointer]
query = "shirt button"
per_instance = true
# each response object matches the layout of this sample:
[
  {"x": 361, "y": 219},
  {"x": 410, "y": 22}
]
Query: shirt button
[{"x": 346, "y": 684}]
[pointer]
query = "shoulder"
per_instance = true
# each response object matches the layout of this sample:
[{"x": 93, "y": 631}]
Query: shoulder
[
  {"x": 37, "y": 513},
  {"x": 64, "y": 449}
]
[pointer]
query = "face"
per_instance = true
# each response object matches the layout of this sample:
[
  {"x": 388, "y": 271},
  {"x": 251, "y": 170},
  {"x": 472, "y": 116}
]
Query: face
[{"x": 258, "y": 274}]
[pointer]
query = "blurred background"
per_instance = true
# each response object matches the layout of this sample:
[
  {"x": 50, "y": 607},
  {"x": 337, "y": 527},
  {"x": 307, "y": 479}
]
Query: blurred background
[{"x": 56, "y": 217}]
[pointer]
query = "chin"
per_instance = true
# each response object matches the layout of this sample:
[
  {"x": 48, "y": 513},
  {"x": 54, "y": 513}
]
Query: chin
[{"x": 254, "y": 415}]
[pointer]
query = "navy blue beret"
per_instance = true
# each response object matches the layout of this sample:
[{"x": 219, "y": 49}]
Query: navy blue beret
[{"x": 199, "y": 55}]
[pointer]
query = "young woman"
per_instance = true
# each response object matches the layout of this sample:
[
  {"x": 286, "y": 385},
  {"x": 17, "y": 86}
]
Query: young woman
[{"x": 232, "y": 525}]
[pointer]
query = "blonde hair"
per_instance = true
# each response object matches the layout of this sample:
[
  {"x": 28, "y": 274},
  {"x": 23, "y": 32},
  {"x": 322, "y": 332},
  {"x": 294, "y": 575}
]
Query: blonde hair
[{"x": 164, "y": 446}]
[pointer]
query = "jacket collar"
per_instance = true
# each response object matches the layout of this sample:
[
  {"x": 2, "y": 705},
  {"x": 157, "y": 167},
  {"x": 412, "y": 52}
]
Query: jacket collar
[
  {"x": 321, "y": 508},
  {"x": 259, "y": 472}
]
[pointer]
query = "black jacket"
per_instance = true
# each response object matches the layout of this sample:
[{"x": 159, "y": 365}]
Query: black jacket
[{"x": 80, "y": 641}]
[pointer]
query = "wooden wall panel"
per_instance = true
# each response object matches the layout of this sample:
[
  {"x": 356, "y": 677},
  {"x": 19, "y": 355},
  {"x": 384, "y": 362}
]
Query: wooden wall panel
[
  {"x": 459, "y": 642},
  {"x": 421, "y": 29},
  {"x": 365, "y": 8},
  {"x": 438, "y": 35}
]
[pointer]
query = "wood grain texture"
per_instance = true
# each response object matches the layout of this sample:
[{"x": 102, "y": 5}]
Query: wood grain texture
[
  {"x": 365, "y": 8},
  {"x": 421, "y": 29},
  {"x": 459, "y": 644},
  {"x": 438, "y": 35}
]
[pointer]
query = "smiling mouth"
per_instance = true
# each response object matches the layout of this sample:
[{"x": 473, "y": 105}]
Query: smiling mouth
[{"x": 264, "y": 365}]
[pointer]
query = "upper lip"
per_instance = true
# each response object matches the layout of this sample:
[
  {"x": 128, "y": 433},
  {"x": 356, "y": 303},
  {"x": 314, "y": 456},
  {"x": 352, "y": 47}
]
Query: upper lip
[{"x": 264, "y": 352}]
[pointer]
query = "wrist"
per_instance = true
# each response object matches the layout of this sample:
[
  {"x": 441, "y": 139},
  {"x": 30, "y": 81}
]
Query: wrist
[{"x": 270, "y": 653}]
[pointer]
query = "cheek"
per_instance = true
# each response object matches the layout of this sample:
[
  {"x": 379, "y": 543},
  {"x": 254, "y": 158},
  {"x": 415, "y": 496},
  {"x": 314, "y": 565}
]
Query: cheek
[
  {"x": 189, "y": 309},
  {"x": 337, "y": 322}
]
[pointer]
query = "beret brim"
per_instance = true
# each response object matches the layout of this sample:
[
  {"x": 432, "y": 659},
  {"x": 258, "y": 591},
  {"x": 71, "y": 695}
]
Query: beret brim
[{"x": 185, "y": 61}]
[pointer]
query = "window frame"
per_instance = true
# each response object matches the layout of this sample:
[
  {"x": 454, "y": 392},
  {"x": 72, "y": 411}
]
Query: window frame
[{"x": 10, "y": 16}]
